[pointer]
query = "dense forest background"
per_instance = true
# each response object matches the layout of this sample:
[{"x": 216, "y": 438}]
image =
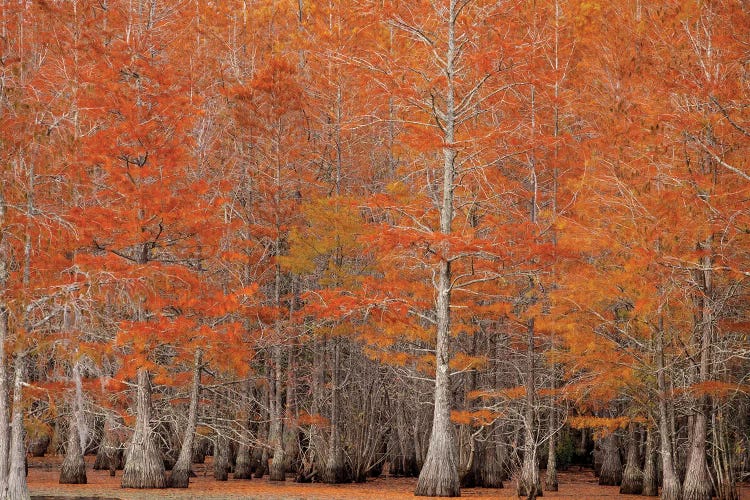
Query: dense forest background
[{"x": 453, "y": 239}]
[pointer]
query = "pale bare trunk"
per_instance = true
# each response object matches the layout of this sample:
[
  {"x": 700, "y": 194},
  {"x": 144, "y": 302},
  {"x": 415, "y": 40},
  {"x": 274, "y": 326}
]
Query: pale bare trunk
[
  {"x": 611, "y": 472},
  {"x": 551, "y": 479},
  {"x": 180, "y": 477},
  {"x": 277, "y": 470},
  {"x": 144, "y": 466},
  {"x": 335, "y": 471},
  {"x": 529, "y": 484},
  {"x": 439, "y": 474},
  {"x": 697, "y": 484},
  {"x": 17, "y": 487},
  {"x": 73, "y": 470},
  {"x": 671, "y": 488},
  {"x": 632, "y": 478},
  {"x": 650, "y": 476},
  {"x": 4, "y": 410},
  {"x": 4, "y": 424}
]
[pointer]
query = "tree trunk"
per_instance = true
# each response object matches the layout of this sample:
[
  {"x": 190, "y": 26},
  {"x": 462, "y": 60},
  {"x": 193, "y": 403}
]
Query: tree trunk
[
  {"x": 697, "y": 485},
  {"x": 4, "y": 424},
  {"x": 221, "y": 458},
  {"x": 277, "y": 470},
  {"x": 611, "y": 472},
  {"x": 529, "y": 484},
  {"x": 671, "y": 489},
  {"x": 73, "y": 470},
  {"x": 491, "y": 467},
  {"x": 439, "y": 474},
  {"x": 650, "y": 475},
  {"x": 243, "y": 464},
  {"x": 551, "y": 479},
  {"x": 632, "y": 478},
  {"x": 335, "y": 472},
  {"x": 180, "y": 476},
  {"x": 144, "y": 467},
  {"x": 18, "y": 489},
  {"x": 110, "y": 454}
]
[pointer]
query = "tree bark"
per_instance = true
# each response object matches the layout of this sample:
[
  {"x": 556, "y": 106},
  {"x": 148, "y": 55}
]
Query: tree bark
[
  {"x": 529, "y": 484},
  {"x": 671, "y": 488},
  {"x": 144, "y": 467},
  {"x": 73, "y": 469},
  {"x": 18, "y": 489},
  {"x": 650, "y": 475},
  {"x": 180, "y": 476},
  {"x": 439, "y": 474},
  {"x": 277, "y": 470},
  {"x": 611, "y": 472},
  {"x": 221, "y": 458},
  {"x": 4, "y": 423},
  {"x": 110, "y": 454},
  {"x": 551, "y": 479},
  {"x": 632, "y": 478},
  {"x": 335, "y": 472},
  {"x": 697, "y": 485}
]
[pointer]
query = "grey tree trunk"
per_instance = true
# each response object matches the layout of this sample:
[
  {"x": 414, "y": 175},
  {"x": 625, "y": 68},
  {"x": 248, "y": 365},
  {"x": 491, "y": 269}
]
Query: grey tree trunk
[
  {"x": 144, "y": 466},
  {"x": 611, "y": 472},
  {"x": 4, "y": 424},
  {"x": 277, "y": 471},
  {"x": 439, "y": 474},
  {"x": 491, "y": 471},
  {"x": 671, "y": 488},
  {"x": 17, "y": 487},
  {"x": 632, "y": 478},
  {"x": 221, "y": 458},
  {"x": 529, "y": 484},
  {"x": 110, "y": 454},
  {"x": 335, "y": 471},
  {"x": 180, "y": 477},
  {"x": 4, "y": 410},
  {"x": 650, "y": 475},
  {"x": 551, "y": 480},
  {"x": 73, "y": 469},
  {"x": 697, "y": 485}
]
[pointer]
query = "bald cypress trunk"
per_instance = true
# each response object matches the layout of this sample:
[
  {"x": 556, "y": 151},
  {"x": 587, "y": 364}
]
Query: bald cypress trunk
[
  {"x": 439, "y": 474},
  {"x": 73, "y": 469},
  {"x": 18, "y": 489},
  {"x": 4, "y": 423},
  {"x": 180, "y": 476},
  {"x": 632, "y": 478},
  {"x": 650, "y": 476},
  {"x": 551, "y": 479},
  {"x": 144, "y": 466},
  {"x": 611, "y": 471},
  {"x": 671, "y": 488},
  {"x": 335, "y": 471},
  {"x": 697, "y": 485},
  {"x": 529, "y": 484}
]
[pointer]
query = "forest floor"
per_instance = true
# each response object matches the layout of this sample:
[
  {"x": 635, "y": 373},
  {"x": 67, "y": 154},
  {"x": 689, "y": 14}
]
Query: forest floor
[{"x": 44, "y": 473}]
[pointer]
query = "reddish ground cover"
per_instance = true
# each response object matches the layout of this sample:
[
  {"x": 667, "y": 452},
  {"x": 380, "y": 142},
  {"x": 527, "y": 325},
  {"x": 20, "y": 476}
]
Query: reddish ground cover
[{"x": 43, "y": 476}]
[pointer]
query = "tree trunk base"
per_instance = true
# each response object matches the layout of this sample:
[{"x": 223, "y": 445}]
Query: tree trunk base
[
  {"x": 277, "y": 471},
  {"x": 632, "y": 482},
  {"x": 73, "y": 471},
  {"x": 439, "y": 477},
  {"x": 335, "y": 474},
  {"x": 180, "y": 478}
]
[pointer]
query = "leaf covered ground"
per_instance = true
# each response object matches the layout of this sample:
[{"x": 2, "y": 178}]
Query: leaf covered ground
[{"x": 43, "y": 481}]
